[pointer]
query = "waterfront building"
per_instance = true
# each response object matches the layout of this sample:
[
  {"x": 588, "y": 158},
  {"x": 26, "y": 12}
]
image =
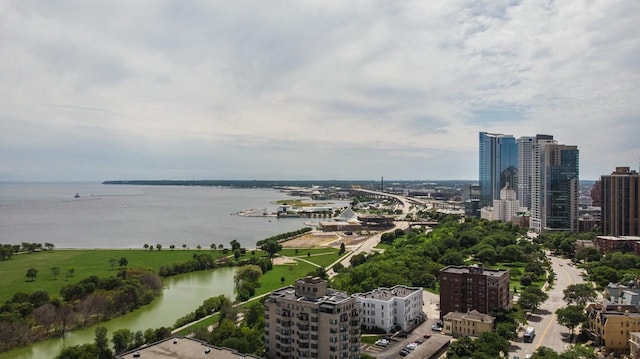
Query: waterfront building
[
  {"x": 554, "y": 186},
  {"x": 470, "y": 324},
  {"x": 620, "y": 209},
  {"x": 498, "y": 165},
  {"x": 467, "y": 288},
  {"x": 310, "y": 320},
  {"x": 526, "y": 163},
  {"x": 396, "y": 308}
]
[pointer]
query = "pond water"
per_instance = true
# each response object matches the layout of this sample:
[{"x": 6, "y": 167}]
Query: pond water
[{"x": 182, "y": 295}]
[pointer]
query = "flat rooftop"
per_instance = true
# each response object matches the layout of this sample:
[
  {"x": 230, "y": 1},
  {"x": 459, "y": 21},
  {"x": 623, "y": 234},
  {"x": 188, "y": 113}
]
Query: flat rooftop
[
  {"x": 182, "y": 348},
  {"x": 476, "y": 270},
  {"x": 382, "y": 293}
]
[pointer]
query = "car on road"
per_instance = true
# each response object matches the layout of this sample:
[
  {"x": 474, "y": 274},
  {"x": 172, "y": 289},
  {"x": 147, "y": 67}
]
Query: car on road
[
  {"x": 436, "y": 327},
  {"x": 528, "y": 356},
  {"x": 404, "y": 352}
]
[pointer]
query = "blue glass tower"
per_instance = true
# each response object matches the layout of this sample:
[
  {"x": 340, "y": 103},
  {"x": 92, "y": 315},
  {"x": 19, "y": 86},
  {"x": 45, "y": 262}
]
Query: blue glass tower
[{"x": 498, "y": 165}]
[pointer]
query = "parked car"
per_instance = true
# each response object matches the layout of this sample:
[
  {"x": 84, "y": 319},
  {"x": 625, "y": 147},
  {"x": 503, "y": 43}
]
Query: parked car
[
  {"x": 436, "y": 327},
  {"x": 404, "y": 352},
  {"x": 427, "y": 336},
  {"x": 402, "y": 334},
  {"x": 412, "y": 346},
  {"x": 382, "y": 342}
]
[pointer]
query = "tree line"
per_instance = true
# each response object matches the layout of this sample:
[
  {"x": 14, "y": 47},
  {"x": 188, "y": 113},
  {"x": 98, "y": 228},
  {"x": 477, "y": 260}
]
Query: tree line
[{"x": 26, "y": 318}]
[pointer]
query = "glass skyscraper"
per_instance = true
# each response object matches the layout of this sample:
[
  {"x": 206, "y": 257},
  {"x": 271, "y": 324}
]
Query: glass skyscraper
[
  {"x": 498, "y": 165},
  {"x": 555, "y": 182}
]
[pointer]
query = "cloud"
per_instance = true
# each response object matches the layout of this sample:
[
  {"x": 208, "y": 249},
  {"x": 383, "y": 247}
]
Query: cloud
[{"x": 292, "y": 89}]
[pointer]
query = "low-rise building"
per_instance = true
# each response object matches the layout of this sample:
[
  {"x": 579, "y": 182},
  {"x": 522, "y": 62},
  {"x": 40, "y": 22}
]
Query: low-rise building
[
  {"x": 399, "y": 307},
  {"x": 182, "y": 348},
  {"x": 610, "y": 325},
  {"x": 470, "y": 324},
  {"x": 625, "y": 244}
]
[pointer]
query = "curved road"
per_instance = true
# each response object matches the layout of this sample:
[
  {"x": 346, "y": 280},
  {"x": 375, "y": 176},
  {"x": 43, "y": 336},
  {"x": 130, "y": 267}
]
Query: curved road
[{"x": 548, "y": 332}]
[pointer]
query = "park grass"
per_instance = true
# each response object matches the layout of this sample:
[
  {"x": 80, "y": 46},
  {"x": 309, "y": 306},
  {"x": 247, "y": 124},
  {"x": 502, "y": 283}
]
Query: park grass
[
  {"x": 86, "y": 262},
  {"x": 269, "y": 282}
]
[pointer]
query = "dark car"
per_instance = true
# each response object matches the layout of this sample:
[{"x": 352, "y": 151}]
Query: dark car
[
  {"x": 402, "y": 334},
  {"x": 404, "y": 352}
]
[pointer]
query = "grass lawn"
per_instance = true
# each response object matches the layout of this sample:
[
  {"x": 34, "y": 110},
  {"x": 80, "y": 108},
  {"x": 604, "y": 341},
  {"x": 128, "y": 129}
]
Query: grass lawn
[
  {"x": 86, "y": 262},
  {"x": 268, "y": 283}
]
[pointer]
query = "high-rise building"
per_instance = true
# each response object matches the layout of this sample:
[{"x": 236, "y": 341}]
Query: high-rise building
[
  {"x": 620, "y": 209},
  {"x": 498, "y": 165},
  {"x": 311, "y": 321},
  {"x": 554, "y": 186},
  {"x": 525, "y": 169},
  {"x": 467, "y": 288}
]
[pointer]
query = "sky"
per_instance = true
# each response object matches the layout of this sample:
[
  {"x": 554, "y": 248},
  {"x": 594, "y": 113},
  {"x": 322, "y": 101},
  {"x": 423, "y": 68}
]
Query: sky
[{"x": 104, "y": 90}]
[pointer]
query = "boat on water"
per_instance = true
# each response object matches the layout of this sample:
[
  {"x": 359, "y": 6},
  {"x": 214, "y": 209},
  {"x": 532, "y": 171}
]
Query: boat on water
[{"x": 77, "y": 195}]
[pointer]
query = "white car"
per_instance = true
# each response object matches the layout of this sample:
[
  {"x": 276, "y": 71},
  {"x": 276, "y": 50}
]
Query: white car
[
  {"x": 412, "y": 346},
  {"x": 382, "y": 342}
]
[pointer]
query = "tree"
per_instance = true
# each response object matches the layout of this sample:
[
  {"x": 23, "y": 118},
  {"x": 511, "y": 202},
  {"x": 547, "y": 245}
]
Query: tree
[
  {"x": 545, "y": 353},
  {"x": 70, "y": 271},
  {"x": 236, "y": 254},
  {"x": 571, "y": 316},
  {"x": 492, "y": 344},
  {"x": 172, "y": 247},
  {"x": 112, "y": 263},
  {"x": 159, "y": 246},
  {"x": 342, "y": 250},
  {"x": 102, "y": 343},
  {"x": 531, "y": 298},
  {"x": 235, "y": 245},
  {"x": 85, "y": 351},
  {"x": 462, "y": 348},
  {"x": 123, "y": 262},
  {"x": 55, "y": 271},
  {"x": 184, "y": 246},
  {"x": 32, "y": 274},
  {"x": 282, "y": 279},
  {"x": 146, "y": 246},
  {"x": 271, "y": 246},
  {"x": 579, "y": 294},
  {"x": 198, "y": 247},
  {"x": 49, "y": 246},
  {"x": 122, "y": 340},
  {"x": 579, "y": 352}
]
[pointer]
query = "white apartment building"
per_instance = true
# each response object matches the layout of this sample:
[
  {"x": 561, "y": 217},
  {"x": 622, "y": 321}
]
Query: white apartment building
[
  {"x": 388, "y": 308},
  {"x": 504, "y": 208}
]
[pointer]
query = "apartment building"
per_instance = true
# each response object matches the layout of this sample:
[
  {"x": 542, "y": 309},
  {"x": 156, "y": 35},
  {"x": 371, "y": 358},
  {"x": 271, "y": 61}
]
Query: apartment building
[
  {"x": 467, "y": 288},
  {"x": 624, "y": 244},
  {"x": 399, "y": 307},
  {"x": 620, "y": 209},
  {"x": 310, "y": 320},
  {"x": 610, "y": 325},
  {"x": 470, "y": 324}
]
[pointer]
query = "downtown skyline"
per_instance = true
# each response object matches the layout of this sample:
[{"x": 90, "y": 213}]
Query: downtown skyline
[{"x": 296, "y": 90}]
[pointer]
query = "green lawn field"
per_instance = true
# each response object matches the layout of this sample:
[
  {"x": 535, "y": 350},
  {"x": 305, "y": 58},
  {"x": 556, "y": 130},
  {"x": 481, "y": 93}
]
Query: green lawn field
[{"x": 86, "y": 262}]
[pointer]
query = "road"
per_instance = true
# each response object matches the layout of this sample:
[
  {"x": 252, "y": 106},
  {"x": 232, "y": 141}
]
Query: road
[{"x": 548, "y": 332}]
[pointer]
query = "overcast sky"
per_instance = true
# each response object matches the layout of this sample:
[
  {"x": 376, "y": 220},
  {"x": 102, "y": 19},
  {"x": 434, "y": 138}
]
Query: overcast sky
[{"x": 97, "y": 90}]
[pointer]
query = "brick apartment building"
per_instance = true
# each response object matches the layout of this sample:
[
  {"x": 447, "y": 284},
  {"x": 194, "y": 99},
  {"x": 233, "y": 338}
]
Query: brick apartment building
[{"x": 467, "y": 288}]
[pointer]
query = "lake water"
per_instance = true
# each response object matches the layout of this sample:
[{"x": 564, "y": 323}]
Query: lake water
[
  {"x": 182, "y": 295},
  {"x": 123, "y": 216},
  {"x": 119, "y": 216}
]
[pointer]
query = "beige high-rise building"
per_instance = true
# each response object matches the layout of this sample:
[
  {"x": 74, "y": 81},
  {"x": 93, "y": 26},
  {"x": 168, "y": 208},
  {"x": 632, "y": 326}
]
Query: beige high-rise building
[{"x": 311, "y": 320}]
